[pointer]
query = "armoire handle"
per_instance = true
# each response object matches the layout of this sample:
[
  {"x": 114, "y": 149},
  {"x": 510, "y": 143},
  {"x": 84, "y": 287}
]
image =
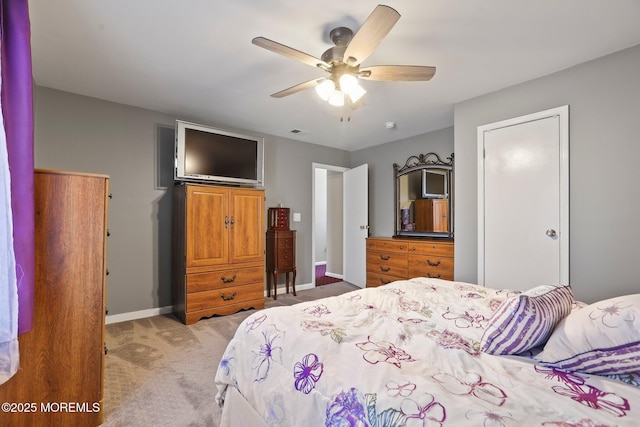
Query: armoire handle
[
  {"x": 228, "y": 298},
  {"x": 225, "y": 280}
]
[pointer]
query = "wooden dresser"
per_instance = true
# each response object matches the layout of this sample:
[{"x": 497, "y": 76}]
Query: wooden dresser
[
  {"x": 281, "y": 258},
  {"x": 390, "y": 259},
  {"x": 62, "y": 357},
  {"x": 218, "y": 244}
]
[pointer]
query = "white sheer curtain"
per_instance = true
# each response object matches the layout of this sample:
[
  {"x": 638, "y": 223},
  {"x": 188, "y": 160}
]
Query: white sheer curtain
[{"x": 9, "y": 356}]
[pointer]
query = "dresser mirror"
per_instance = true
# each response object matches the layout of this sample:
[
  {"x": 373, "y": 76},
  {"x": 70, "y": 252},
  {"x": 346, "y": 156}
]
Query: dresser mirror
[{"x": 424, "y": 197}]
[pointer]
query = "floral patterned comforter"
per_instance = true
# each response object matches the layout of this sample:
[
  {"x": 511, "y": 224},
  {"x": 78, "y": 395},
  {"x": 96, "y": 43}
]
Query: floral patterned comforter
[{"x": 406, "y": 354}]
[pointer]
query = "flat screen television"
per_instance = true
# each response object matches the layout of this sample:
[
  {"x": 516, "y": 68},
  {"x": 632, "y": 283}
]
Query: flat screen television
[
  {"x": 434, "y": 184},
  {"x": 206, "y": 154}
]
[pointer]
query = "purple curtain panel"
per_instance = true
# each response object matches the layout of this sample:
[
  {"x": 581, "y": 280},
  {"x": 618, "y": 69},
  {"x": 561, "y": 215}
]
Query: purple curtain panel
[{"x": 17, "y": 111}]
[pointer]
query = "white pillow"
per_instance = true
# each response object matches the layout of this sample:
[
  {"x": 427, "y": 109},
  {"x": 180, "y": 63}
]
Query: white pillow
[
  {"x": 526, "y": 320},
  {"x": 602, "y": 338}
]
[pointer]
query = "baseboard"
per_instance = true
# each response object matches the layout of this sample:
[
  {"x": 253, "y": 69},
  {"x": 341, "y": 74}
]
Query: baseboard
[
  {"x": 141, "y": 314},
  {"x": 282, "y": 288},
  {"x": 335, "y": 276}
]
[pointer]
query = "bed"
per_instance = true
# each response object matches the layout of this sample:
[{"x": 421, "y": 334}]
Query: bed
[{"x": 433, "y": 352}]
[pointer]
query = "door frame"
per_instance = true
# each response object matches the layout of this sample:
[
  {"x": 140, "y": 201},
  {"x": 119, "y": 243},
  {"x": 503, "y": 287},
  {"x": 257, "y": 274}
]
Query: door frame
[
  {"x": 315, "y": 166},
  {"x": 563, "y": 114}
]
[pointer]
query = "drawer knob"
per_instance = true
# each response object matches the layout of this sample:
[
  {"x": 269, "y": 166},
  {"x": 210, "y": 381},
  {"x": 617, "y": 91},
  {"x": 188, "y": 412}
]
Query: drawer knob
[
  {"x": 225, "y": 280},
  {"x": 433, "y": 264},
  {"x": 437, "y": 276},
  {"x": 385, "y": 269},
  {"x": 228, "y": 298},
  {"x": 385, "y": 257}
]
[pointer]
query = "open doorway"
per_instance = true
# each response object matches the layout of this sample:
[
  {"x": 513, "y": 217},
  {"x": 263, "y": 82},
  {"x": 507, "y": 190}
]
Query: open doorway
[{"x": 327, "y": 224}]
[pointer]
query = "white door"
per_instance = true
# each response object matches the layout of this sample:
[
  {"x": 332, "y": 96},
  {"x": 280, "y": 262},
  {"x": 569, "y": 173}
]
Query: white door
[
  {"x": 356, "y": 225},
  {"x": 523, "y": 233}
]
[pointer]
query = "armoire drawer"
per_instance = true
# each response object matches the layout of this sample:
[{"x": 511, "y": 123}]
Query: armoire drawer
[
  {"x": 224, "y": 296},
  {"x": 197, "y": 282}
]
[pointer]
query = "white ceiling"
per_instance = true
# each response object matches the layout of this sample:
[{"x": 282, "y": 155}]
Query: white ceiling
[{"x": 194, "y": 58}]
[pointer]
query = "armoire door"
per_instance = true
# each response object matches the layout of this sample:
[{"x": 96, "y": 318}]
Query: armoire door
[
  {"x": 207, "y": 226},
  {"x": 523, "y": 225},
  {"x": 246, "y": 228}
]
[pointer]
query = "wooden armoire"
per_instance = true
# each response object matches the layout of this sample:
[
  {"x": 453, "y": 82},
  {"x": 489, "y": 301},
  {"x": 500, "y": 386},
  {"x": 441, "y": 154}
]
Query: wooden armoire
[
  {"x": 62, "y": 358},
  {"x": 218, "y": 250}
]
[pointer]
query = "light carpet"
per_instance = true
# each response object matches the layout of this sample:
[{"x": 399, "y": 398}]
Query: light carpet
[{"x": 159, "y": 372}]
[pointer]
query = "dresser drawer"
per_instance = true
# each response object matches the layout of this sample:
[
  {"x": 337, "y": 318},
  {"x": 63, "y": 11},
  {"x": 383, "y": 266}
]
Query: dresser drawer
[
  {"x": 386, "y": 258},
  {"x": 431, "y": 248},
  {"x": 398, "y": 270},
  {"x": 224, "y": 296},
  {"x": 197, "y": 282},
  {"x": 378, "y": 279},
  {"x": 391, "y": 245},
  {"x": 431, "y": 266}
]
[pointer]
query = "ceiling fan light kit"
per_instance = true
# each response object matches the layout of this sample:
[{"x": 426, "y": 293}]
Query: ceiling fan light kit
[
  {"x": 336, "y": 99},
  {"x": 325, "y": 89},
  {"x": 343, "y": 60}
]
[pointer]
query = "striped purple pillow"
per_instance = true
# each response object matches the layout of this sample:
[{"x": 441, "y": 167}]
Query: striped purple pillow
[
  {"x": 526, "y": 320},
  {"x": 602, "y": 338}
]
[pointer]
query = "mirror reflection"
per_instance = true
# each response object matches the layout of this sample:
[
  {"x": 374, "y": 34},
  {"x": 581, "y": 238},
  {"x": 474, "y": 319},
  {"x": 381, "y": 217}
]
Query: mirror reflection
[{"x": 423, "y": 196}]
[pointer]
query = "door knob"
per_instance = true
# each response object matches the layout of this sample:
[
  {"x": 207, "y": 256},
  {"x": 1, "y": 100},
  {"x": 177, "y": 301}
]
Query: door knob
[
  {"x": 551, "y": 232},
  {"x": 364, "y": 227}
]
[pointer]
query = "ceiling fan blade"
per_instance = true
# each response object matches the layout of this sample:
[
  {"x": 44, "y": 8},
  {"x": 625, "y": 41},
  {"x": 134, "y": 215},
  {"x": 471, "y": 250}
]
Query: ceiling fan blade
[
  {"x": 397, "y": 73},
  {"x": 369, "y": 36},
  {"x": 297, "y": 88},
  {"x": 290, "y": 52}
]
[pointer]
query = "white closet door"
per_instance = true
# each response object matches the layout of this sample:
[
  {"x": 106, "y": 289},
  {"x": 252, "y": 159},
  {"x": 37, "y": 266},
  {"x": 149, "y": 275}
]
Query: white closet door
[{"x": 523, "y": 202}]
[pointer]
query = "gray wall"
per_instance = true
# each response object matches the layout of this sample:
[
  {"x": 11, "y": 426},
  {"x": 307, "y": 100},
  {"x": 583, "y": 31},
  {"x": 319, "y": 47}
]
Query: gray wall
[
  {"x": 134, "y": 147},
  {"x": 381, "y": 159},
  {"x": 604, "y": 108}
]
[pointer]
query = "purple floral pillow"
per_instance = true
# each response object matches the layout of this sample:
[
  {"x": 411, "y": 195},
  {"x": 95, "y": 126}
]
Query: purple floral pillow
[
  {"x": 602, "y": 338},
  {"x": 526, "y": 320}
]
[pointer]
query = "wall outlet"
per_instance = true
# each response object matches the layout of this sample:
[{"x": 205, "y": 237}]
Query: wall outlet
[{"x": 296, "y": 217}]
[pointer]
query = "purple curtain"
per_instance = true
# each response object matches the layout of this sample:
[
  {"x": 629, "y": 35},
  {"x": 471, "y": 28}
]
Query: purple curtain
[{"x": 17, "y": 112}]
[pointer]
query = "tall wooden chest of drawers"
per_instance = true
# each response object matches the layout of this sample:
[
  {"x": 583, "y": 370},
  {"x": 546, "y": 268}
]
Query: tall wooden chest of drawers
[
  {"x": 62, "y": 357},
  {"x": 390, "y": 259}
]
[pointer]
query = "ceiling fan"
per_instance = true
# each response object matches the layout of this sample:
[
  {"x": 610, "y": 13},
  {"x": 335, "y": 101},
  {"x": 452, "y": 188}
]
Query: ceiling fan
[{"x": 343, "y": 61}]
